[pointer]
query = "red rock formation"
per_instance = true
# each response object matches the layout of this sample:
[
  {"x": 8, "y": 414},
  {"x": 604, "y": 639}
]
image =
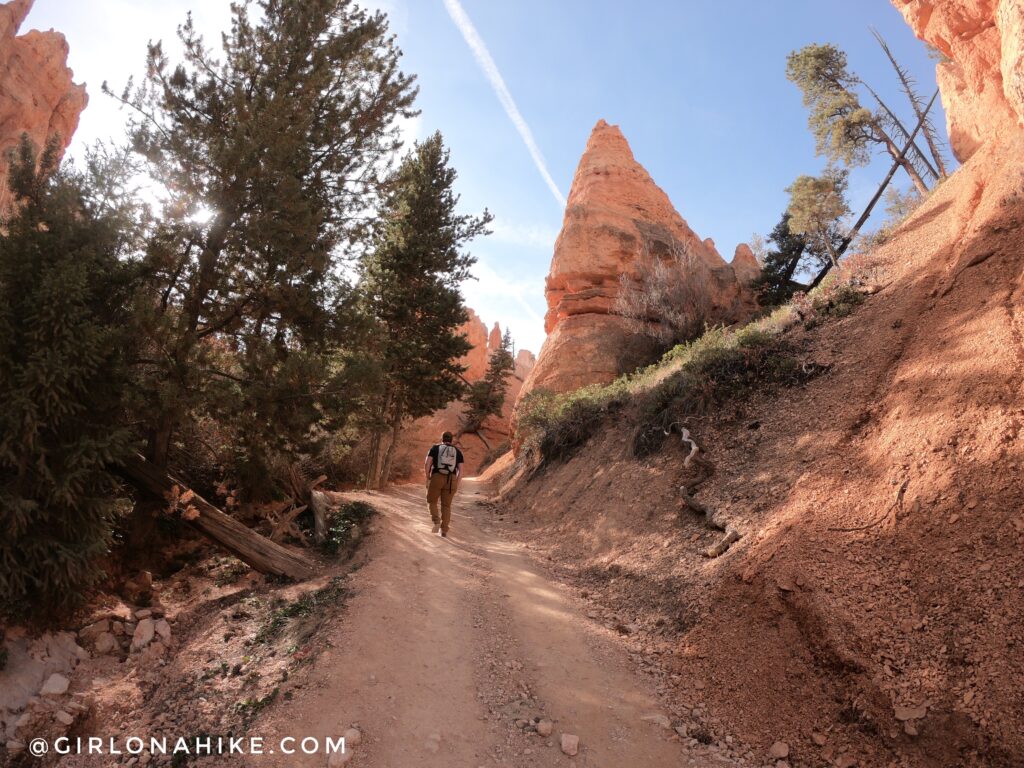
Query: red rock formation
[
  {"x": 616, "y": 215},
  {"x": 422, "y": 433},
  {"x": 982, "y": 80},
  {"x": 37, "y": 95}
]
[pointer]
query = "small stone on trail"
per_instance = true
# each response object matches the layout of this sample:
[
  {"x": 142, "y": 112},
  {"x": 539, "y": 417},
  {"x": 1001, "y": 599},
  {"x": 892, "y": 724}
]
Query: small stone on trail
[
  {"x": 353, "y": 737},
  {"x": 657, "y": 719},
  {"x": 545, "y": 727},
  {"x": 819, "y": 738},
  {"x": 845, "y": 761},
  {"x": 64, "y": 717},
  {"x": 909, "y": 728},
  {"x": 570, "y": 744},
  {"x": 55, "y": 685},
  {"x": 779, "y": 749}
]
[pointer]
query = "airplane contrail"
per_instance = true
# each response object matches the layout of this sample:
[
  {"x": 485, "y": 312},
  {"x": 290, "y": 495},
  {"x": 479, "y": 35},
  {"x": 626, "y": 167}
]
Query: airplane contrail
[{"x": 483, "y": 58}]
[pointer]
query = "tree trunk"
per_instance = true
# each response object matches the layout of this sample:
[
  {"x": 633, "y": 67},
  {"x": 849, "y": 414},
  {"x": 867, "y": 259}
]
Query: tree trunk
[
  {"x": 901, "y": 161},
  {"x": 248, "y": 546},
  {"x": 878, "y": 193},
  {"x": 396, "y": 434}
]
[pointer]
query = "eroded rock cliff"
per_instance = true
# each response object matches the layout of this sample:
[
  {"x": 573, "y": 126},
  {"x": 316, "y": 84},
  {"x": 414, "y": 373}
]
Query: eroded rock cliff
[
  {"x": 37, "y": 94},
  {"x": 617, "y": 217},
  {"x": 982, "y": 76}
]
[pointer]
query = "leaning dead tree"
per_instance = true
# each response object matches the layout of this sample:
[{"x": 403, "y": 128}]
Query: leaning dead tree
[
  {"x": 263, "y": 554},
  {"x": 897, "y": 163},
  {"x": 705, "y": 469}
]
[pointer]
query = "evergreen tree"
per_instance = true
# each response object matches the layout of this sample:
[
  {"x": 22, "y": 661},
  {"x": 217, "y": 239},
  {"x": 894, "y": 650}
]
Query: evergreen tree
[
  {"x": 486, "y": 397},
  {"x": 817, "y": 205},
  {"x": 271, "y": 155},
  {"x": 844, "y": 130},
  {"x": 63, "y": 335},
  {"x": 776, "y": 284},
  {"x": 410, "y": 280}
]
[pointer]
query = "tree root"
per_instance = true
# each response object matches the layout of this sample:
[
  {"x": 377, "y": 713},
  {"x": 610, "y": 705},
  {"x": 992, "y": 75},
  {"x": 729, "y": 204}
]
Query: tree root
[{"x": 687, "y": 491}]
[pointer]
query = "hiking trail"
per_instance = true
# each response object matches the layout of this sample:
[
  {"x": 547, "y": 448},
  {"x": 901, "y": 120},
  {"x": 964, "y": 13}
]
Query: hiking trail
[{"x": 446, "y": 643}]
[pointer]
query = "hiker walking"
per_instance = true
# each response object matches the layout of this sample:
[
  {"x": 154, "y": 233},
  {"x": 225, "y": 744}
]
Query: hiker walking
[{"x": 442, "y": 469}]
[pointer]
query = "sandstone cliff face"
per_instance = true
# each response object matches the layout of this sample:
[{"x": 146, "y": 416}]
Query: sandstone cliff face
[
  {"x": 422, "y": 433},
  {"x": 615, "y": 217},
  {"x": 982, "y": 82},
  {"x": 37, "y": 95}
]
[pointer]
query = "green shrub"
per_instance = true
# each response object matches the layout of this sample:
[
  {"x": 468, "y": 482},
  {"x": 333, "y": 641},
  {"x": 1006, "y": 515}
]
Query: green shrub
[
  {"x": 63, "y": 341},
  {"x": 341, "y": 524}
]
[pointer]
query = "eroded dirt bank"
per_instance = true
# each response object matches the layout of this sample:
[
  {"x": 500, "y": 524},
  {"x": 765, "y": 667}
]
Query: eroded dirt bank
[{"x": 872, "y": 612}]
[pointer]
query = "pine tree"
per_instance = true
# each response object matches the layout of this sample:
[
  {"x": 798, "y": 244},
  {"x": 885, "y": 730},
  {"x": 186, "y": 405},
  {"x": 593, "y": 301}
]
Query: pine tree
[
  {"x": 271, "y": 154},
  {"x": 63, "y": 334},
  {"x": 410, "y": 281},
  {"x": 486, "y": 397},
  {"x": 776, "y": 284},
  {"x": 844, "y": 130},
  {"x": 817, "y": 205}
]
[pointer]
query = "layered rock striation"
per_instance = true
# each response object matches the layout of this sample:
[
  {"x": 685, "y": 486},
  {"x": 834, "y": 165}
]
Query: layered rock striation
[
  {"x": 616, "y": 219},
  {"x": 37, "y": 94},
  {"x": 981, "y": 78}
]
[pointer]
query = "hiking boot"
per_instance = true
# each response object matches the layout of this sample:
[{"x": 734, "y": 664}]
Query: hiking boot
[
  {"x": 436, "y": 528},
  {"x": 445, "y": 534}
]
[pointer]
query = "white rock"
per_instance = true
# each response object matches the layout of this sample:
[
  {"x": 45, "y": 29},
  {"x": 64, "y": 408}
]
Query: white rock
[
  {"x": 143, "y": 634},
  {"x": 657, "y": 719},
  {"x": 353, "y": 737},
  {"x": 570, "y": 744},
  {"x": 55, "y": 685},
  {"x": 64, "y": 717}
]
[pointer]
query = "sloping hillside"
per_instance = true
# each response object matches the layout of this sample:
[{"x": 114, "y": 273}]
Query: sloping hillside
[{"x": 873, "y": 611}]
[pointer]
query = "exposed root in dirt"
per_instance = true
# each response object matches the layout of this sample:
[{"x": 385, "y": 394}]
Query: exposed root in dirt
[
  {"x": 897, "y": 505},
  {"x": 707, "y": 469}
]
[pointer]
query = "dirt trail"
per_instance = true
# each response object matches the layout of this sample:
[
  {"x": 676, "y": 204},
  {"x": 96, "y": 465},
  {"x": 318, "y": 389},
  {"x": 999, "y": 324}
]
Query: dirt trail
[{"x": 447, "y": 642}]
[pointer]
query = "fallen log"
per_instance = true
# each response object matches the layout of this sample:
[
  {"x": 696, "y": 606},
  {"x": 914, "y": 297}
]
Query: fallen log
[{"x": 248, "y": 546}]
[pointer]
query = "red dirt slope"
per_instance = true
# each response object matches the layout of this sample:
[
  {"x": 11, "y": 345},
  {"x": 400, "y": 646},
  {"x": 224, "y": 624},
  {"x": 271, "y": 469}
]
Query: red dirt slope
[{"x": 901, "y": 643}]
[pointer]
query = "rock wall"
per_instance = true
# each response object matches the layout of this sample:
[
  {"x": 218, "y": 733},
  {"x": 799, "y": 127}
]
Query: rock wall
[
  {"x": 37, "y": 94},
  {"x": 982, "y": 78},
  {"x": 615, "y": 217},
  {"x": 422, "y": 433}
]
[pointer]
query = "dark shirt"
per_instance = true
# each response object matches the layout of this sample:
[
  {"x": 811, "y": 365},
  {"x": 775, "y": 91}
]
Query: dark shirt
[{"x": 432, "y": 453}]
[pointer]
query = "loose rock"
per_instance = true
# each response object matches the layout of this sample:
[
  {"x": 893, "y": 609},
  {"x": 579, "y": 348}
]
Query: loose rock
[
  {"x": 545, "y": 727},
  {"x": 570, "y": 744},
  {"x": 55, "y": 685},
  {"x": 780, "y": 749},
  {"x": 353, "y": 737}
]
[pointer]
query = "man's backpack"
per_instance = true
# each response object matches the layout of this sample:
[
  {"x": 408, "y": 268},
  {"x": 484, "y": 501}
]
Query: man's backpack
[{"x": 447, "y": 458}]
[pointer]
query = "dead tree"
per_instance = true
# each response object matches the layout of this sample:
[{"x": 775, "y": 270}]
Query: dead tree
[
  {"x": 248, "y": 546},
  {"x": 878, "y": 194}
]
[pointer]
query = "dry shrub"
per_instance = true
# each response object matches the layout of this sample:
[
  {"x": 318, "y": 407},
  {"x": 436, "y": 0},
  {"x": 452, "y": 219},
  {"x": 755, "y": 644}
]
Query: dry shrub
[{"x": 668, "y": 298}]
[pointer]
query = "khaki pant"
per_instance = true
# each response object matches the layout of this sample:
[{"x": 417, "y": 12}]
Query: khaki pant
[{"x": 441, "y": 487}]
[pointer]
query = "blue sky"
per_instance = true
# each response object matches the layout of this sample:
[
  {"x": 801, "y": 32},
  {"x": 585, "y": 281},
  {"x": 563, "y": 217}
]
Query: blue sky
[{"x": 698, "y": 88}]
